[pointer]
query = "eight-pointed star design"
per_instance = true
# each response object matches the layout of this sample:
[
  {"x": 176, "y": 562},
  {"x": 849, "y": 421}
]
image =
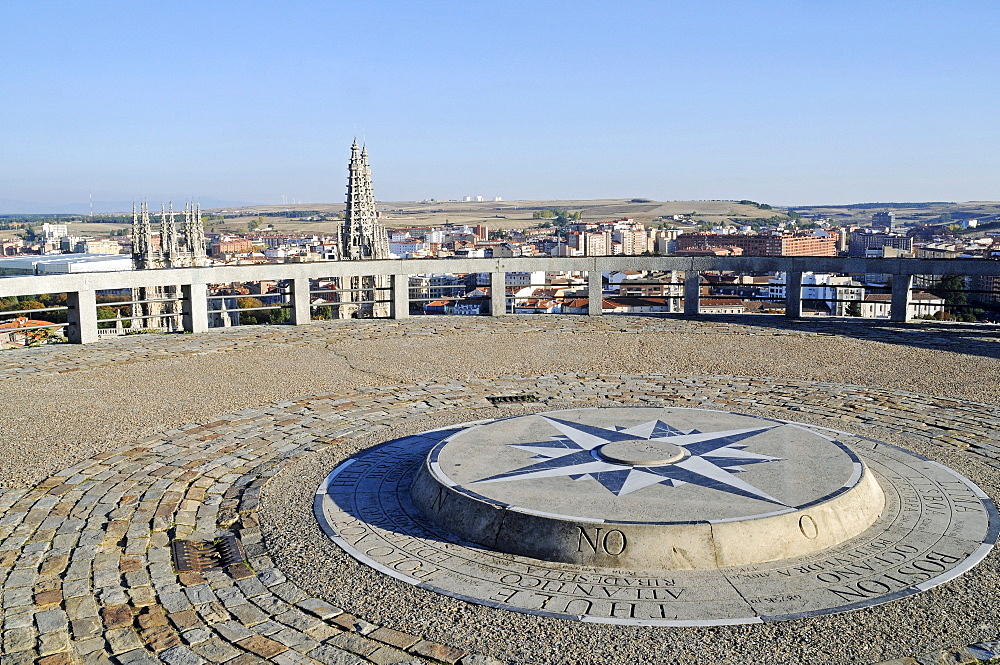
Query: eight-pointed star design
[{"x": 711, "y": 458}]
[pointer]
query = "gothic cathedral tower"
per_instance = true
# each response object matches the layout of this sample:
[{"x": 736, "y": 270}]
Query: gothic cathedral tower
[{"x": 362, "y": 237}]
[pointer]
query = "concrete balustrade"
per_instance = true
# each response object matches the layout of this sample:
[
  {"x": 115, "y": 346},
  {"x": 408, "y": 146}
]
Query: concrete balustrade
[{"x": 81, "y": 289}]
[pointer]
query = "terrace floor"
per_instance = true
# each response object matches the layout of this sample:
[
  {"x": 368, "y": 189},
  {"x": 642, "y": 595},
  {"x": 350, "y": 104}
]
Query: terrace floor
[{"x": 112, "y": 450}]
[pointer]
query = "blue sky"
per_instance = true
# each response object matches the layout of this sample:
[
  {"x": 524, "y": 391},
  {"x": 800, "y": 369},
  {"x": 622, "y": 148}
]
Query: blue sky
[{"x": 785, "y": 102}]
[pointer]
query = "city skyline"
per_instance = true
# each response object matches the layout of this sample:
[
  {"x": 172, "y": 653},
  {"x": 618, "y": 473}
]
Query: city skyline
[{"x": 779, "y": 102}]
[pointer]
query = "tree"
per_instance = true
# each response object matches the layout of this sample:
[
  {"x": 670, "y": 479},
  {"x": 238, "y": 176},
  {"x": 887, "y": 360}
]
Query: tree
[
  {"x": 853, "y": 308},
  {"x": 252, "y": 316},
  {"x": 952, "y": 289},
  {"x": 283, "y": 315}
]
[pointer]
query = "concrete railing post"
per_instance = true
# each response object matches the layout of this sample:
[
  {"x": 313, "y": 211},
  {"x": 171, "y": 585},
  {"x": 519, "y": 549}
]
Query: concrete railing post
[
  {"x": 400, "y": 296},
  {"x": 301, "y": 312},
  {"x": 902, "y": 287},
  {"x": 82, "y": 317},
  {"x": 793, "y": 294},
  {"x": 195, "y": 307},
  {"x": 595, "y": 293},
  {"x": 692, "y": 292},
  {"x": 498, "y": 293}
]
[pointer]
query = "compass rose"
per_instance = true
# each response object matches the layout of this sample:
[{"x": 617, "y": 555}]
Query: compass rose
[{"x": 624, "y": 460}]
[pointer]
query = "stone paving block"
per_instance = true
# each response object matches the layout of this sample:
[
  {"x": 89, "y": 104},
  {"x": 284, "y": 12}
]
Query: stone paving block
[
  {"x": 122, "y": 640},
  {"x": 396, "y": 638},
  {"x": 215, "y": 650},
  {"x": 297, "y": 619},
  {"x": 149, "y": 617},
  {"x": 322, "y": 631},
  {"x": 385, "y": 655},
  {"x": 196, "y": 635},
  {"x": 88, "y": 646},
  {"x": 354, "y": 643},
  {"x": 159, "y": 638},
  {"x": 116, "y": 616},
  {"x": 200, "y": 594},
  {"x": 51, "y": 620},
  {"x": 180, "y": 655},
  {"x": 185, "y": 620},
  {"x": 137, "y": 657},
  {"x": 293, "y": 658},
  {"x": 19, "y": 658},
  {"x": 61, "y": 658},
  {"x": 175, "y": 602},
  {"x": 293, "y": 639},
  {"x": 350, "y": 622},
  {"x": 18, "y": 639},
  {"x": 269, "y": 628},
  {"x": 248, "y": 615},
  {"x": 231, "y": 631},
  {"x": 262, "y": 646},
  {"x": 86, "y": 627},
  {"x": 437, "y": 651},
  {"x": 329, "y": 655}
]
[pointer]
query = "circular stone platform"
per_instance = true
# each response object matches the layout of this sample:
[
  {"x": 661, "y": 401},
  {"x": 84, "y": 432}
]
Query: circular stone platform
[{"x": 657, "y": 516}]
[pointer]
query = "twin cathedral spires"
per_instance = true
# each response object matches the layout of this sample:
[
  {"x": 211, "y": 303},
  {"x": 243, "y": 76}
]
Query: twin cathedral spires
[
  {"x": 180, "y": 247},
  {"x": 361, "y": 235}
]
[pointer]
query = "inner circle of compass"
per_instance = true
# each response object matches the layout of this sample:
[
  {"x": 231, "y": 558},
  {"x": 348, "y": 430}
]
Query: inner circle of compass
[
  {"x": 641, "y": 452},
  {"x": 621, "y": 464}
]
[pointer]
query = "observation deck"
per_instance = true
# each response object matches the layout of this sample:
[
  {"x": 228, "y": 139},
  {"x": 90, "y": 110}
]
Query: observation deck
[{"x": 114, "y": 450}]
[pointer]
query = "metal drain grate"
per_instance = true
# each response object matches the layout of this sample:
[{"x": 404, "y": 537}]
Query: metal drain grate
[
  {"x": 190, "y": 555},
  {"x": 513, "y": 399}
]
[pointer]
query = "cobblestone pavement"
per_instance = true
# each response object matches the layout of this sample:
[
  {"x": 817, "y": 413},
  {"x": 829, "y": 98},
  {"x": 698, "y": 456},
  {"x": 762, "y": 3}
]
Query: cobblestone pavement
[{"x": 85, "y": 561}]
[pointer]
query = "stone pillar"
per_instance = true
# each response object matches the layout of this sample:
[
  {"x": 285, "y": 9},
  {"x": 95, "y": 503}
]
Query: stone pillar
[
  {"x": 692, "y": 292},
  {"x": 400, "y": 296},
  {"x": 498, "y": 293},
  {"x": 195, "y": 307},
  {"x": 595, "y": 293},
  {"x": 793, "y": 295},
  {"x": 301, "y": 314},
  {"x": 902, "y": 286},
  {"x": 82, "y": 317}
]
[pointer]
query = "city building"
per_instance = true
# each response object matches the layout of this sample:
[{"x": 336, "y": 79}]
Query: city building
[
  {"x": 886, "y": 219},
  {"x": 871, "y": 244},
  {"x": 772, "y": 244}
]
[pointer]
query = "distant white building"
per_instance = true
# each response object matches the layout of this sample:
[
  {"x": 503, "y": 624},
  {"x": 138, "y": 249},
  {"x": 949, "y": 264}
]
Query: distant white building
[
  {"x": 64, "y": 263},
  {"x": 54, "y": 231}
]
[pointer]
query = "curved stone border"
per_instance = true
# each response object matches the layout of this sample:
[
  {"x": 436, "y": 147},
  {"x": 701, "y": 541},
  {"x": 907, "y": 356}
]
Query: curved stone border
[
  {"x": 366, "y": 506},
  {"x": 84, "y": 558}
]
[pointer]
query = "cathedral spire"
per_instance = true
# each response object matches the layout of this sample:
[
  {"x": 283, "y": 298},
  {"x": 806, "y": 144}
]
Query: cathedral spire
[
  {"x": 168, "y": 236},
  {"x": 362, "y": 236}
]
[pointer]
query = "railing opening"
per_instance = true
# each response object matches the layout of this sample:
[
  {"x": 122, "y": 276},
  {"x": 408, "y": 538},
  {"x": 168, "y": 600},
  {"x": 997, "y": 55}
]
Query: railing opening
[
  {"x": 249, "y": 303},
  {"x": 33, "y": 320},
  {"x": 355, "y": 297}
]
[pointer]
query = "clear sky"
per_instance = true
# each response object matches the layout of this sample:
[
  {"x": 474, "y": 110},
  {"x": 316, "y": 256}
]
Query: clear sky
[{"x": 786, "y": 102}]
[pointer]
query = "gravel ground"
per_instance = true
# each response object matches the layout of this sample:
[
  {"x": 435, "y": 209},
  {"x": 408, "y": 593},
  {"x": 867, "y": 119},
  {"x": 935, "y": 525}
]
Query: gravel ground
[{"x": 62, "y": 403}]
